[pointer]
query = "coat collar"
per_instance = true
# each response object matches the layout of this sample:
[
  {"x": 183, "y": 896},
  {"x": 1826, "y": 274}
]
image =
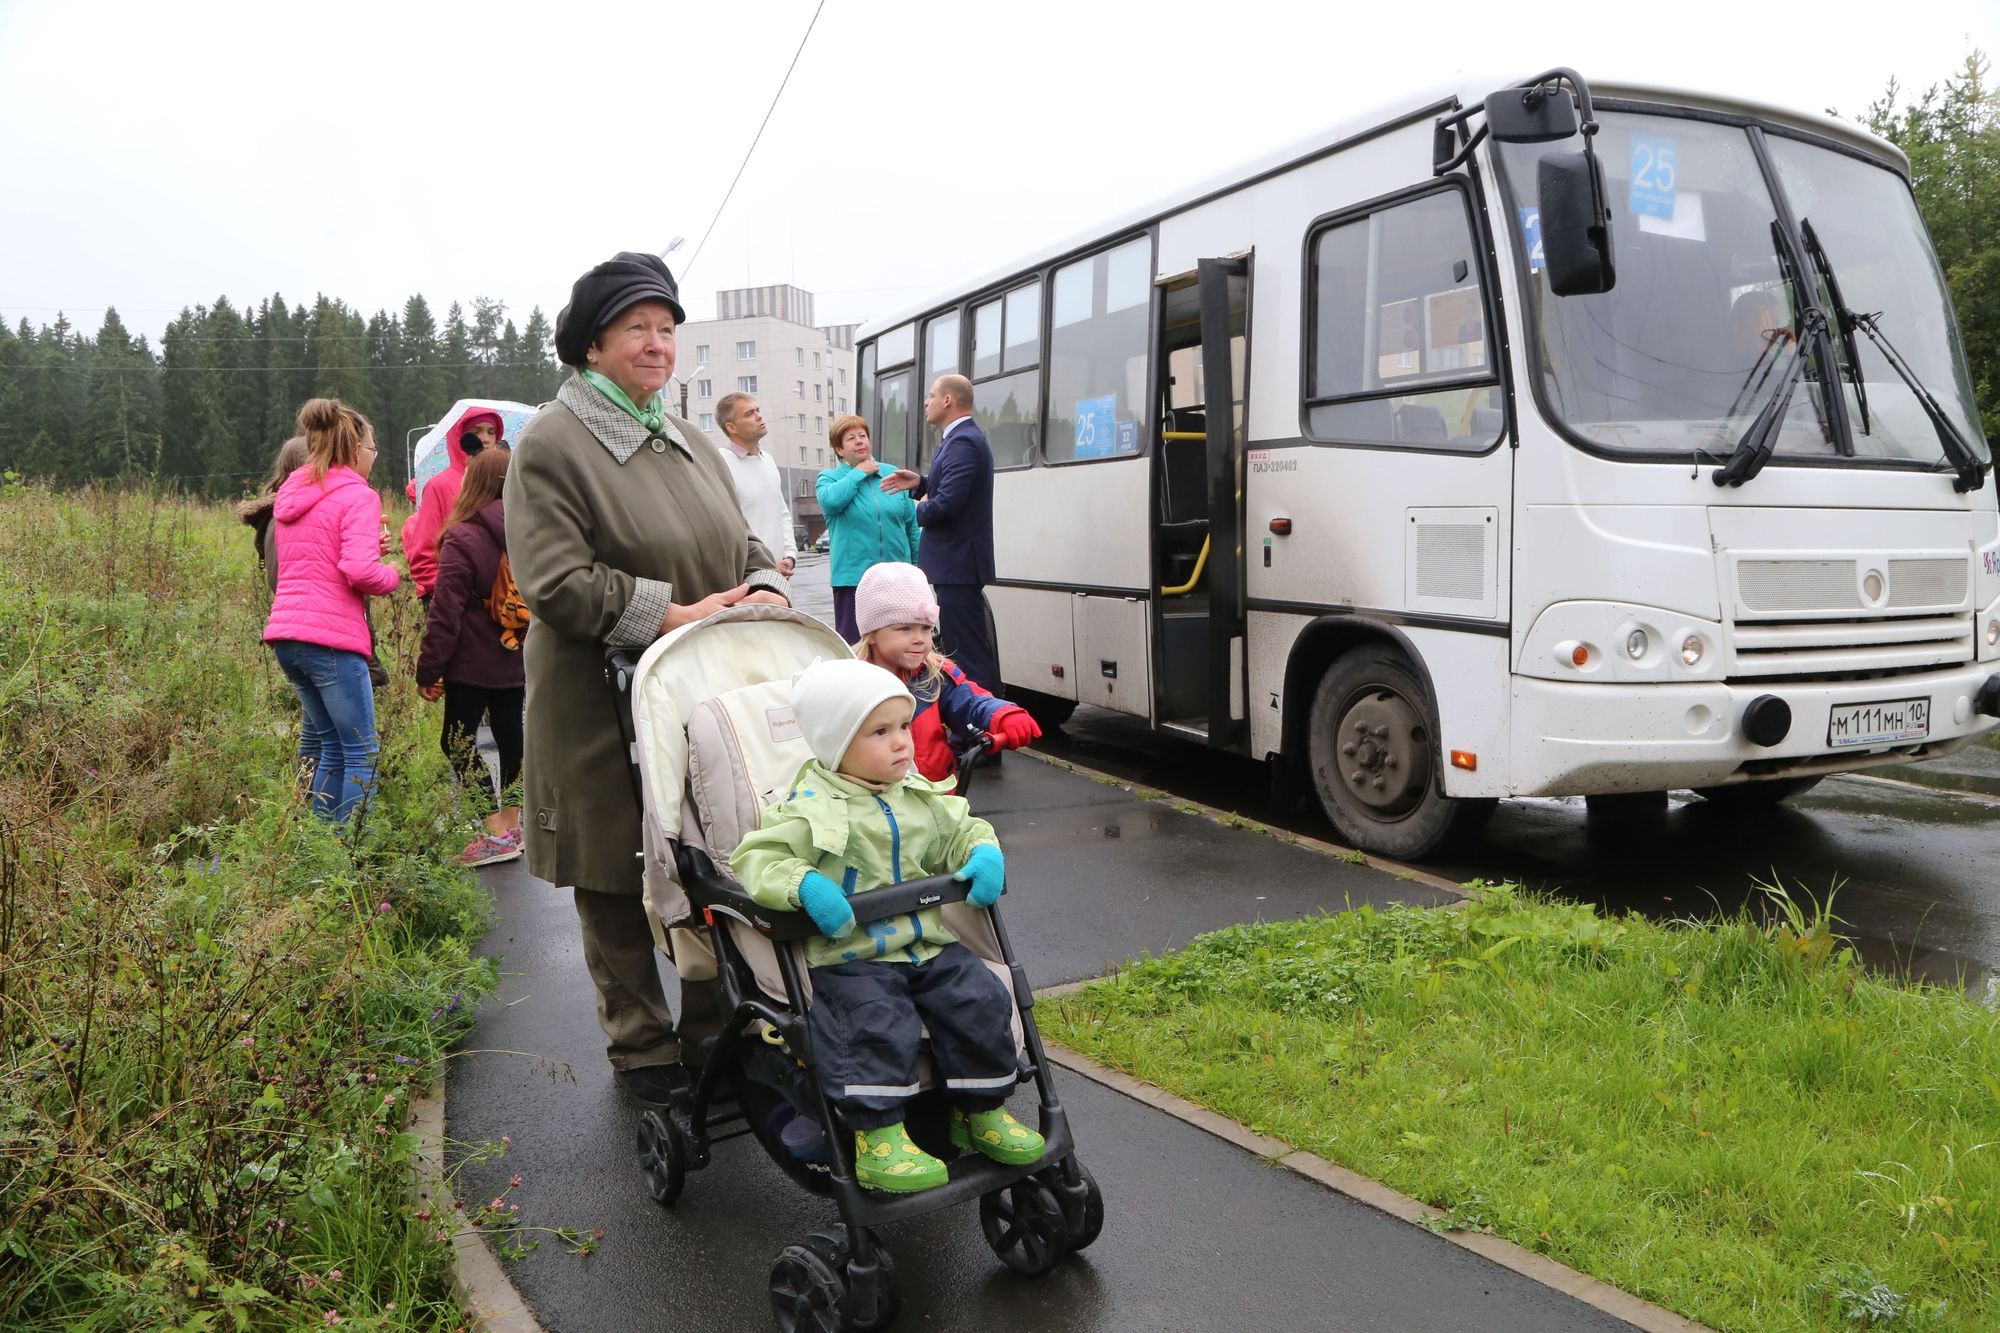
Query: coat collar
[
  {"x": 820, "y": 796},
  {"x": 614, "y": 428}
]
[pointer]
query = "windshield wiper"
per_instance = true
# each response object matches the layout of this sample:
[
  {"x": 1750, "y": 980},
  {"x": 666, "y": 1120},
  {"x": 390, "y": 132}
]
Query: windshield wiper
[
  {"x": 1957, "y": 450},
  {"x": 1817, "y": 254},
  {"x": 1754, "y": 447}
]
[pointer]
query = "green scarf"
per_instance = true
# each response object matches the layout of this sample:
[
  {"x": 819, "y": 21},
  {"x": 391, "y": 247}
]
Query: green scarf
[{"x": 653, "y": 418}]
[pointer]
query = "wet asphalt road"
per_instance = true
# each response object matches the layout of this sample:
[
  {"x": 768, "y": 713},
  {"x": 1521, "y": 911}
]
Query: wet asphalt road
[
  {"x": 1914, "y": 872},
  {"x": 1199, "y": 1234}
]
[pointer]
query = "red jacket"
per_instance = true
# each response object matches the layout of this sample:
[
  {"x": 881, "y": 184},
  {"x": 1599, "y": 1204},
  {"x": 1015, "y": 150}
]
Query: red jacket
[
  {"x": 960, "y": 709},
  {"x": 420, "y": 531}
]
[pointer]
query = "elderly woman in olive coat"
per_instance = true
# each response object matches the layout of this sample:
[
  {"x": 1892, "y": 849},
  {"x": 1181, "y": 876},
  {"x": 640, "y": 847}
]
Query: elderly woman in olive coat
[{"x": 622, "y": 525}]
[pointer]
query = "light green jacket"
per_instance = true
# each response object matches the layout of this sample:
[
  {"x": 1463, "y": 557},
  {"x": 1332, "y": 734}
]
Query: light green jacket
[{"x": 861, "y": 840}]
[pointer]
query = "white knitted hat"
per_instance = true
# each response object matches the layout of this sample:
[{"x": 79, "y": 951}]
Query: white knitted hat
[
  {"x": 893, "y": 594},
  {"x": 832, "y": 699}
]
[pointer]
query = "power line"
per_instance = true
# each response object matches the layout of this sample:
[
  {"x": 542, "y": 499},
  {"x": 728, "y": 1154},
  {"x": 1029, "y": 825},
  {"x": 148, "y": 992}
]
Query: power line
[
  {"x": 304, "y": 370},
  {"x": 753, "y": 142}
]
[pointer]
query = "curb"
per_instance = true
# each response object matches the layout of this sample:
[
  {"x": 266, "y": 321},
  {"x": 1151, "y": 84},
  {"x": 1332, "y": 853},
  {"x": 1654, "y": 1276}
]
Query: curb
[
  {"x": 492, "y": 1305},
  {"x": 1536, "y": 1268}
]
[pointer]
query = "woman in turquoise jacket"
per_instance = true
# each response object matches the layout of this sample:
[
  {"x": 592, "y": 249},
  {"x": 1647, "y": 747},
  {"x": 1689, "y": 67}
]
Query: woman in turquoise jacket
[{"x": 866, "y": 525}]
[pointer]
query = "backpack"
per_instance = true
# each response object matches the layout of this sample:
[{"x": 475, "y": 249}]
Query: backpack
[{"x": 504, "y": 604}]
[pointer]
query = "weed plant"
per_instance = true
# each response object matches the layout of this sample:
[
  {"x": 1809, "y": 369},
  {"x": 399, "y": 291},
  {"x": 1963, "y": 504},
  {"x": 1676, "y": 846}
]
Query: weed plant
[
  {"x": 1731, "y": 1119},
  {"x": 214, "y": 1009}
]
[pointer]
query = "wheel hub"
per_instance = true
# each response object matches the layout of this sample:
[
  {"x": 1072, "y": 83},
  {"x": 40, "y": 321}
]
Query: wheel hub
[{"x": 1384, "y": 752}]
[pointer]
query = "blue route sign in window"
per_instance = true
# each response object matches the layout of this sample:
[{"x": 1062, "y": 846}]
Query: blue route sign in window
[
  {"x": 1654, "y": 176},
  {"x": 1097, "y": 426}
]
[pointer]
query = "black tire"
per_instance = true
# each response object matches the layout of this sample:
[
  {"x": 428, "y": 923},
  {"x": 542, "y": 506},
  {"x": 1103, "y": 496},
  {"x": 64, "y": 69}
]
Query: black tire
[
  {"x": 808, "y": 1293},
  {"x": 1024, "y": 1225},
  {"x": 832, "y": 1246},
  {"x": 1747, "y": 797},
  {"x": 1627, "y": 807},
  {"x": 662, "y": 1157},
  {"x": 1048, "y": 711},
  {"x": 1083, "y": 1222},
  {"x": 1372, "y": 747}
]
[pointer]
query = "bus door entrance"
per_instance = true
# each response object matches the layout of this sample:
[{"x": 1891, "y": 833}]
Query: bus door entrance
[{"x": 1204, "y": 345}]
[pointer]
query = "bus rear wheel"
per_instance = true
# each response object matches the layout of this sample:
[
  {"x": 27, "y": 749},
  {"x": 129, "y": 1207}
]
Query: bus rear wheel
[{"x": 1372, "y": 746}]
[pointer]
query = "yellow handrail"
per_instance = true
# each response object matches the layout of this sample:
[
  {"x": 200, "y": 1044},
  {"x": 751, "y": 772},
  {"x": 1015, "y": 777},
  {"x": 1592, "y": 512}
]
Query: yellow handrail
[
  {"x": 1200, "y": 562},
  {"x": 1183, "y": 434}
]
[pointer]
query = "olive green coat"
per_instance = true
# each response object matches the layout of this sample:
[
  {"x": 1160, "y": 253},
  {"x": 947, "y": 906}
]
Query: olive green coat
[{"x": 606, "y": 524}]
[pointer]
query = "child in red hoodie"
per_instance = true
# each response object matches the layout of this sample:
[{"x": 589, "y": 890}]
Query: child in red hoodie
[
  {"x": 897, "y": 615},
  {"x": 477, "y": 429}
]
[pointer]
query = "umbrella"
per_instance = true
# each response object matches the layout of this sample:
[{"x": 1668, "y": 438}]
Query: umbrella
[{"x": 430, "y": 456}]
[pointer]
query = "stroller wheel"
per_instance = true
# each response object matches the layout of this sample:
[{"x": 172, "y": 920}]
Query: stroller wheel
[
  {"x": 1083, "y": 1215},
  {"x": 1024, "y": 1225},
  {"x": 662, "y": 1156},
  {"x": 831, "y": 1245}
]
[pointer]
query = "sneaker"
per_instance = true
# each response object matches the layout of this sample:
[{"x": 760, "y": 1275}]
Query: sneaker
[
  {"x": 885, "y": 1159},
  {"x": 997, "y": 1135},
  {"x": 655, "y": 1085},
  {"x": 489, "y": 849}
]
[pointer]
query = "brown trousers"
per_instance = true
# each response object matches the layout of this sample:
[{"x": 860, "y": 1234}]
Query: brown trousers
[{"x": 625, "y": 968}]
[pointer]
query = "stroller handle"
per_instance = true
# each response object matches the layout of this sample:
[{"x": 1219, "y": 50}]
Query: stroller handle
[{"x": 707, "y": 887}]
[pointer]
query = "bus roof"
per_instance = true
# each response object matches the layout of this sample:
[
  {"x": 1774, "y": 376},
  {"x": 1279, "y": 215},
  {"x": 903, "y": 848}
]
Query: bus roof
[{"x": 1429, "y": 99}]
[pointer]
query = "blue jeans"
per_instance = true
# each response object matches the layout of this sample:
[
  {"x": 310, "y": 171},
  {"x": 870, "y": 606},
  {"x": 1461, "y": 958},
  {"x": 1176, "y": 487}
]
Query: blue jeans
[{"x": 337, "y": 739}]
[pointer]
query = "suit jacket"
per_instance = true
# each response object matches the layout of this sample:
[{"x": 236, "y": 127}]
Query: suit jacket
[{"x": 957, "y": 511}]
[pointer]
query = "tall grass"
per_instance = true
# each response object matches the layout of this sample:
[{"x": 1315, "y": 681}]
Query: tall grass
[
  {"x": 214, "y": 1009},
  {"x": 1733, "y": 1120}
]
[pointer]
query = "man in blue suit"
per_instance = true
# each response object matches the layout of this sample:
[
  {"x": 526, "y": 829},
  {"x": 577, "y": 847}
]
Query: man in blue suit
[{"x": 955, "y": 512}]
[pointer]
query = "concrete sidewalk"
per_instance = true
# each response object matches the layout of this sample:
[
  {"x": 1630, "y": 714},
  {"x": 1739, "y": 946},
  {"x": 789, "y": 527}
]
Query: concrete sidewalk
[{"x": 1199, "y": 1233}]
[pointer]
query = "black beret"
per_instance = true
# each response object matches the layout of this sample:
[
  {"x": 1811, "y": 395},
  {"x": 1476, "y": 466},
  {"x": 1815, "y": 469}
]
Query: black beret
[{"x": 607, "y": 291}]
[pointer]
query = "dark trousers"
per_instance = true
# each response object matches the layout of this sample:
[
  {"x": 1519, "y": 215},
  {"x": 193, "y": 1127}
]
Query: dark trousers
[
  {"x": 962, "y": 633},
  {"x": 865, "y": 1027},
  {"x": 464, "y": 705},
  {"x": 843, "y": 614}
]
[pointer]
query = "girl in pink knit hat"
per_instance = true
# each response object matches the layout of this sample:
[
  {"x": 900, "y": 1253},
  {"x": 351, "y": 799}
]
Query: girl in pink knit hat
[{"x": 897, "y": 615}]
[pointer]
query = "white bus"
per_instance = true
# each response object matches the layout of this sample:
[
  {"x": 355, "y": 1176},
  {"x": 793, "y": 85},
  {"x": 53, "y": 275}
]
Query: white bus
[{"x": 1521, "y": 440}]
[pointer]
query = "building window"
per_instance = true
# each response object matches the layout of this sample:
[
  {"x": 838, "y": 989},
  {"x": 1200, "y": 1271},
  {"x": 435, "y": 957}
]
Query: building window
[
  {"x": 800, "y": 353},
  {"x": 708, "y": 421},
  {"x": 802, "y": 421},
  {"x": 843, "y": 407},
  {"x": 815, "y": 360},
  {"x": 705, "y": 388},
  {"x": 746, "y": 384},
  {"x": 1398, "y": 322},
  {"x": 746, "y": 351},
  {"x": 819, "y": 424},
  {"x": 802, "y": 453},
  {"x": 798, "y": 388},
  {"x": 701, "y": 354},
  {"x": 842, "y": 373},
  {"x": 816, "y": 397}
]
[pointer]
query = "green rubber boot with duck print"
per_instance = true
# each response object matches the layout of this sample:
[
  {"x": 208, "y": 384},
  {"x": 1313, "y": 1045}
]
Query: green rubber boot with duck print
[{"x": 886, "y": 1159}]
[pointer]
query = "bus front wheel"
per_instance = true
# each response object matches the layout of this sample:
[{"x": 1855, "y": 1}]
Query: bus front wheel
[
  {"x": 1374, "y": 756},
  {"x": 1048, "y": 711}
]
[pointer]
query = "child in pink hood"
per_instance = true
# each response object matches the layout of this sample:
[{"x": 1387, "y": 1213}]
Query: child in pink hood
[
  {"x": 329, "y": 526},
  {"x": 477, "y": 428}
]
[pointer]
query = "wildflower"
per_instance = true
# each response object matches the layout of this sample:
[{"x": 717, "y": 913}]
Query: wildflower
[
  {"x": 368, "y": 1078},
  {"x": 248, "y": 1041},
  {"x": 330, "y": 1317},
  {"x": 441, "y": 1237},
  {"x": 381, "y": 1129},
  {"x": 382, "y": 907},
  {"x": 388, "y": 1099},
  {"x": 423, "y": 1214},
  {"x": 497, "y": 1203},
  {"x": 333, "y": 1275},
  {"x": 506, "y": 1141},
  {"x": 514, "y": 1182},
  {"x": 309, "y": 1282},
  {"x": 597, "y": 1233},
  {"x": 389, "y": 1307}
]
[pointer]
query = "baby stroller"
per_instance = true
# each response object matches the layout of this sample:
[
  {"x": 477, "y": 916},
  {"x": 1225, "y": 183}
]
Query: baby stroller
[{"x": 714, "y": 743}]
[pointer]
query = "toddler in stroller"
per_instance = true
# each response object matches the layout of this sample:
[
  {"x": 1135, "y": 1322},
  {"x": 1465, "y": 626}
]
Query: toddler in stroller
[
  {"x": 857, "y": 818},
  {"x": 718, "y": 739}
]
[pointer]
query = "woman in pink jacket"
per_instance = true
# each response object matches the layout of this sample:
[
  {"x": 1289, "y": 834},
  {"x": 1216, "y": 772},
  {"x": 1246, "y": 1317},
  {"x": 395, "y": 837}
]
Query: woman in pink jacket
[{"x": 330, "y": 540}]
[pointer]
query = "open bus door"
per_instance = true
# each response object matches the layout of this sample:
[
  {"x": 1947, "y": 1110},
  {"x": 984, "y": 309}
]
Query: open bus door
[{"x": 1204, "y": 342}]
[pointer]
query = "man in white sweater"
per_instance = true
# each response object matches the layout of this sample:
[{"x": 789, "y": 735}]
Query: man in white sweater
[{"x": 760, "y": 487}]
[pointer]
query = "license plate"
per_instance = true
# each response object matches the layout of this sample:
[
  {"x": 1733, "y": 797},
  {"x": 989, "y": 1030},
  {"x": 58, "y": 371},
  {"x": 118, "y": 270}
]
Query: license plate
[{"x": 1879, "y": 723}]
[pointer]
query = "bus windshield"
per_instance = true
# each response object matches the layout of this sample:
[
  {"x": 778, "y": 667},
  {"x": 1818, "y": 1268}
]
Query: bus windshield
[{"x": 1698, "y": 334}]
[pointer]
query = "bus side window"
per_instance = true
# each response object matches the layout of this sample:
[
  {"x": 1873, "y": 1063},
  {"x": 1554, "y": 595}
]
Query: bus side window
[{"x": 1399, "y": 341}]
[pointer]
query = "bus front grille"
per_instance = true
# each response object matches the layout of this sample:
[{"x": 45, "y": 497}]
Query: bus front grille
[{"x": 1848, "y": 649}]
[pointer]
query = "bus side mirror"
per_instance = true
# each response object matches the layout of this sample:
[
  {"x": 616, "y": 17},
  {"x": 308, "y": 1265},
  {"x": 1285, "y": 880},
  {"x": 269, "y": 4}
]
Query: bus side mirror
[
  {"x": 1576, "y": 226},
  {"x": 1540, "y": 114}
]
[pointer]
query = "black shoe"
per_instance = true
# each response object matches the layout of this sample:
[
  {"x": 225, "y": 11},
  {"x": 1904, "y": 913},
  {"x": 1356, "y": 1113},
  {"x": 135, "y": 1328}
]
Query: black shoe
[{"x": 655, "y": 1085}]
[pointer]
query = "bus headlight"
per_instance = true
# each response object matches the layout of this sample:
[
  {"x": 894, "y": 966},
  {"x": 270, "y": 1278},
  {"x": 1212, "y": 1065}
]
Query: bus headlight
[
  {"x": 1691, "y": 649},
  {"x": 1636, "y": 644}
]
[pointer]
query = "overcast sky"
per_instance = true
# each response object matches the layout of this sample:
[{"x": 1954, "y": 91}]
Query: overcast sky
[{"x": 154, "y": 156}]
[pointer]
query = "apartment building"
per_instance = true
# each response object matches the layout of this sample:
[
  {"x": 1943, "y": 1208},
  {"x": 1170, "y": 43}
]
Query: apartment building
[{"x": 763, "y": 341}]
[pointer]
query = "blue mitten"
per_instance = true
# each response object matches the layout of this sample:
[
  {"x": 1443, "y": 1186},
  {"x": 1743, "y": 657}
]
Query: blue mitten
[
  {"x": 987, "y": 870},
  {"x": 826, "y": 905}
]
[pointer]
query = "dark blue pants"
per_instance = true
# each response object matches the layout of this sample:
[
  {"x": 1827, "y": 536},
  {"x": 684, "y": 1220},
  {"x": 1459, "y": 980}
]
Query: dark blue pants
[
  {"x": 962, "y": 633},
  {"x": 843, "y": 614},
  {"x": 337, "y": 738},
  {"x": 865, "y": 1028}
]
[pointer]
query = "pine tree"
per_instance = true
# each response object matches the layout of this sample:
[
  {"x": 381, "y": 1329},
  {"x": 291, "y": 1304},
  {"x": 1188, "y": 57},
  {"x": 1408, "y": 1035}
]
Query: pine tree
[
  {"x": 13, "y": 433},
  {"x": 118, "y": 439},
  {"x": 425, "y": 390},
  {"x": 464, "y": 379},
  {"x": 285, "y": 378},
  {"x": 56, "y": 446},
  {"x": 487, "y": 315},
  {"x": 539, "y": 374}
]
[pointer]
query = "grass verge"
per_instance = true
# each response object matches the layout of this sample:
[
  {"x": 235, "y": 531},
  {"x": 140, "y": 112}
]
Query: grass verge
[
  {"x": 214, "y": 1010},
  {"x": 1732, "y": 1120}
]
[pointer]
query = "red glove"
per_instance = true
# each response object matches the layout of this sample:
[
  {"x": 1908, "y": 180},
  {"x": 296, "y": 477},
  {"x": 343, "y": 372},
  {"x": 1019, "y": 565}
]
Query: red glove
[{"x": 1011, "y": 728}]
